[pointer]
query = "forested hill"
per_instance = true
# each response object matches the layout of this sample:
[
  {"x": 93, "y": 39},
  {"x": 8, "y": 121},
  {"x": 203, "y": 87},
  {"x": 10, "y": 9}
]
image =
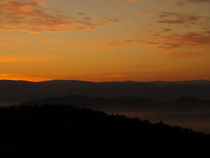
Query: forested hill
[{"x": 65, "y": 129}]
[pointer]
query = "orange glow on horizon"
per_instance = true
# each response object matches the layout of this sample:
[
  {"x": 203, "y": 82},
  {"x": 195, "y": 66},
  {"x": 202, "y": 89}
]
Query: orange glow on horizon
[{"x": 22, "y": 78}]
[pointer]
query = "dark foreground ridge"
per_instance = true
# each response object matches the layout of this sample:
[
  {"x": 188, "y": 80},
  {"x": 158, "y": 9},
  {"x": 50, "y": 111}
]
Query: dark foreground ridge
[{"x": 65, "y": 129}]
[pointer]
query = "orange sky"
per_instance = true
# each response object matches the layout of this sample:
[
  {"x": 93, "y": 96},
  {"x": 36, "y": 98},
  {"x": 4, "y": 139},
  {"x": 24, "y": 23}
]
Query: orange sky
[{"x": 99, "y": 40}]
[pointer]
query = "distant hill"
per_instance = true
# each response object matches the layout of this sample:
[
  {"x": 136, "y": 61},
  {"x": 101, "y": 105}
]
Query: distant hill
[
  {"x": 67, "y": 130},
  {"x": 140, "y": 103},
  {"x": 19, "y": 91}
]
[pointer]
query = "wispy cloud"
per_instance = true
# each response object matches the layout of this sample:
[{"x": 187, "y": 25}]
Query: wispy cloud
[
  {"x": 193, "y": 32},
  {"x": 131, "y": 42},
  {"x": 177, "y": 18},
  {"x": 182, "y": 19},
  {"x": 198, "y": 1},
  {"x": 190, "y": 39},
  {"x": 184, "y": 2},
  {"x": 171, "y": 41},
  {"x": 196, "y": 30},
  {"x": 123, "y": 43},
  {"x": 32, "y": 16}
]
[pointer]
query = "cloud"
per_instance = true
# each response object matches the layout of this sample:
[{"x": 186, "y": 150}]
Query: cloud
[
  {"x": 198, "y": 1},
  {"x": 197, "y": 33},
  {"x": 131, "y": 42},
  {"x": 123, "y": 43},
  {"x": 190, "y": 39},
  {"x": 172, "y": 41},
  {"x": 169, "y": 22},
  {"x": 32, "y": 16},
  {"x": 177, "y": 18},
  {"x": 166, "y": 30},
  {"x": 164, "y": 33},
  {"x": 184, "y": 2},
  {"x": 180, "y": 2}
]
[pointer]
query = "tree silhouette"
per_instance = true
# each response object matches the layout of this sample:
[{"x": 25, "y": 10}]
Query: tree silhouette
[{"x": 66, "y": 129}]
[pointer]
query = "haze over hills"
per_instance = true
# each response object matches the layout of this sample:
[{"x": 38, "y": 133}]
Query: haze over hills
[
  {"x": 186, "y": 111},
  {"x": 184, "y": 103},
  {"x": 20, "y": 91}
]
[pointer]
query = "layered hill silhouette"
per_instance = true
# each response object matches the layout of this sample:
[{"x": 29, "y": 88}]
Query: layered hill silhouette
[
  {"x": 19, "y": 91},
  {"x": 185, "y": 111},
  {"x": 123, "y": 102},
  {"x": 68, "y": 130}
]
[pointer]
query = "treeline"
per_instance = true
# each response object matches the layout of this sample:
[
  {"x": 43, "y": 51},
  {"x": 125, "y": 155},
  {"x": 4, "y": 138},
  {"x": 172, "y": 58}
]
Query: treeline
[{"x": 66, "y": 129}]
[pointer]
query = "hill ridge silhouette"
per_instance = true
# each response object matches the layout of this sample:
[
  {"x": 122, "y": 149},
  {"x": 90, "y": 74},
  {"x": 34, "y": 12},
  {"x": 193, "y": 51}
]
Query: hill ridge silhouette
[
  {"x": 20, "y": 91},
  {"x": 64, "y": 129}
]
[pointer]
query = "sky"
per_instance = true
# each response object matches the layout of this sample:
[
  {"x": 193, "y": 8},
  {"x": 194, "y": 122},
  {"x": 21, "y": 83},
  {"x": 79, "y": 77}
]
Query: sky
[{"x": 105, "y": 40}]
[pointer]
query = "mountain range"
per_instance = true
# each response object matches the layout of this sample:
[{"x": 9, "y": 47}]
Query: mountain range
[{"x": 20, "y": 91}]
